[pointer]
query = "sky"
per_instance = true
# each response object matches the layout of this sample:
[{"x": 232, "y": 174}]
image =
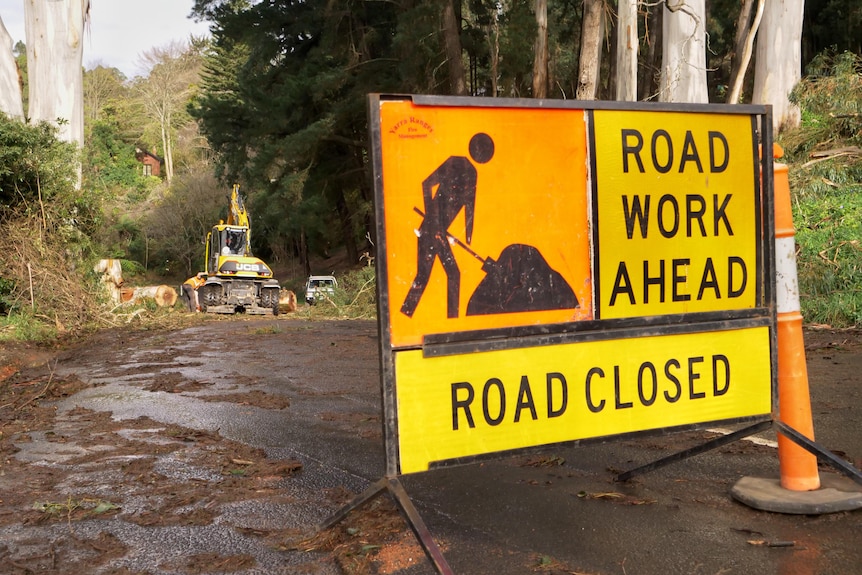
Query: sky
[{"x": 121, "y": 30}]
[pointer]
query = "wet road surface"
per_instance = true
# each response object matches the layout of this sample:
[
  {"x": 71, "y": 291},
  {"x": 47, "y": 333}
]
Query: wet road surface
[{"x": 559, "y": 511}]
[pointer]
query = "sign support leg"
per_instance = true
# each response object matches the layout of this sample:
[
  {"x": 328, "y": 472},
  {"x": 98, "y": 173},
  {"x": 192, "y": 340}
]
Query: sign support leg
[
  {"x": 399, "y": 496},
  {"x": 698, "y": 449},
  {"x": 782, "y": 428}
]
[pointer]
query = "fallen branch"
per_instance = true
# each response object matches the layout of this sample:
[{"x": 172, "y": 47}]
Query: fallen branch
[
  {"x": 835, "y": 153},
  {"x": 41, "y": 393}
]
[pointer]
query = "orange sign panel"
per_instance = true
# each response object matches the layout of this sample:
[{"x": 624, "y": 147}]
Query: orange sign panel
[{"x": 487, "y": 222}]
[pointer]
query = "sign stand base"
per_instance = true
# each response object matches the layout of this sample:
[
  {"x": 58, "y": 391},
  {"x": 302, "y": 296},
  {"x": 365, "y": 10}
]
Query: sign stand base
[
  {"x": 768, "y": 495},
  {"x": 393, "y": 486}
]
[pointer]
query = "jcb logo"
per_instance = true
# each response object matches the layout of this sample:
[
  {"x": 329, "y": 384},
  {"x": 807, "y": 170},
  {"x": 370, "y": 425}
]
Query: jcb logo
[{"x": 248, "y": 267}]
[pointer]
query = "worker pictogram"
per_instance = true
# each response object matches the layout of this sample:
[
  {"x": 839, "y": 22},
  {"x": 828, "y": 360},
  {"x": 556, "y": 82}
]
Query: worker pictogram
[
  {"x": 487, "y": 206},
  {"x": 519, "y": 280},
  {"x": 455, "y": 183}
]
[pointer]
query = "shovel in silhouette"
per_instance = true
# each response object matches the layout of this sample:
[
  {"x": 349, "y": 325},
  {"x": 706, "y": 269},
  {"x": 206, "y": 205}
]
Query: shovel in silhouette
[{"x": 487, "y": 263}]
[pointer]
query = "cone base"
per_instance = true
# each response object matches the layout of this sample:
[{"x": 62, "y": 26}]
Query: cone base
[
  {"x": 801, "y": 483},
  {"x": 837, "y": 493}
]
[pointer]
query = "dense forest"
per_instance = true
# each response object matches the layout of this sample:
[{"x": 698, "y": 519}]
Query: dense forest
[{"x": 275, "y": 99}]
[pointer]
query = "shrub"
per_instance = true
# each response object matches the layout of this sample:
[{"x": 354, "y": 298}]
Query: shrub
[{"x": 826, "y": 185}]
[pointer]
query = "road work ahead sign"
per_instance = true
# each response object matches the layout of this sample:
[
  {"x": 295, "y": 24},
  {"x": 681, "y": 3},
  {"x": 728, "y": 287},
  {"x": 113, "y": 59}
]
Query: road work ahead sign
[{"x": 550, "y": 272}]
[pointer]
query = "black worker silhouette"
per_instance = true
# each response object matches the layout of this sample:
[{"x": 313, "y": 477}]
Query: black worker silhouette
[{"x": 455, "y": 181}]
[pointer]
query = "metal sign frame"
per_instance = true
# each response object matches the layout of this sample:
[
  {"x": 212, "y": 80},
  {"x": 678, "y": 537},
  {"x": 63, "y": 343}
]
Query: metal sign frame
[
  {"x": 763, "y": 314},
  {"x": 585, "y": 331}
]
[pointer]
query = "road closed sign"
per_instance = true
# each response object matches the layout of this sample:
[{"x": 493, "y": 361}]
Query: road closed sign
[
  {"x": 456, "y": 407},
  {"x": 553, "y": 272}
]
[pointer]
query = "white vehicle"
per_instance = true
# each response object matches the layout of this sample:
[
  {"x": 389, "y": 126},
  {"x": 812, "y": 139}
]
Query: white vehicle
[{"x": 319, "y": 287}]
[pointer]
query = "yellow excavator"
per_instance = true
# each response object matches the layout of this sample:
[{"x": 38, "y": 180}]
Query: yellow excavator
[{"x": 237, "y": 282}]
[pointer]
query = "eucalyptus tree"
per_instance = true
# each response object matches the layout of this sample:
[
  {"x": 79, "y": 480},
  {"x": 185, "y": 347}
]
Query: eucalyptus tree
[
  {"x": 684, "y": 52},
  {"x": 627, "y": 51},
  {"x": 55, "y": 48},
  {"x": 540, "y": 51},
  {"x": 11, "y": 101},
  {"x": 778, "y": 64},
  {"x": 591, "y": 49}
]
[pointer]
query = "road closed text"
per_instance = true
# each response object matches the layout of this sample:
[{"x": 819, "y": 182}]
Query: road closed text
[
  {"x": 461, "y": 406},
  {"x": 669, "y": 381}
]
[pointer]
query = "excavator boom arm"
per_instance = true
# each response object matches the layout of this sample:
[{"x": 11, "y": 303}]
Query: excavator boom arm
[{"x": 237, "y": 214}]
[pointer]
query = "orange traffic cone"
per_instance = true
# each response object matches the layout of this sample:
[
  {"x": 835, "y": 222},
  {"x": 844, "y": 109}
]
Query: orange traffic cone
[{"x": 798, "y": 466}]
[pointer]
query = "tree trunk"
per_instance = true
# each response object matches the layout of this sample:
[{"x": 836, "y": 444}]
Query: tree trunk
[
  {"x": 591, "y": 49},
  {"x": 684, "y": 50},
  {"x": 744, "y": 43},
  {"x": 452, "y": 38},
  {"x": 347, "y": 234},
  {"x": 627, "y": 51},
  {"x": 55, "y": 49},
  {"x": 495, "y": 55},
  {"x": 540, "y": 57},
  {"x": 164, "y": 296},
  {"x": 778, "y": 65},
  {"x": 650, "y": 77},
  {"x": 10, "y": 85}
]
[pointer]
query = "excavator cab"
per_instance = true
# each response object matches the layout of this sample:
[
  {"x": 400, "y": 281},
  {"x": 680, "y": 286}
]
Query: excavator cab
[{"x": 233, "y": 242}]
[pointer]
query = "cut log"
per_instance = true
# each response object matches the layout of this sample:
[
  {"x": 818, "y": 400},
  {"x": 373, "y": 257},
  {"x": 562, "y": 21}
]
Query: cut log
[
  {"x": 112, "y": 277},
  {"x": 287, "y": 301},
  {"x": 164, "y": 296}
]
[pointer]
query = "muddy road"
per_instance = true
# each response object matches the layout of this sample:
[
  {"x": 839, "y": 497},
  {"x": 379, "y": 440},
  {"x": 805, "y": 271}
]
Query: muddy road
[{"x": 218, "y": 448}]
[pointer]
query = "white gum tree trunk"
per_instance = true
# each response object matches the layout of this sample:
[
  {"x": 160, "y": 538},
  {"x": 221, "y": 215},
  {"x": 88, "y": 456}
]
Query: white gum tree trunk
[
  {"x": 683, "y": 77},
  {"x": 778, "y": 60},
  {"x": 54, "y": 30},
  {"x": 10, "y": 88},
  {"x": 627, "y": 51}
]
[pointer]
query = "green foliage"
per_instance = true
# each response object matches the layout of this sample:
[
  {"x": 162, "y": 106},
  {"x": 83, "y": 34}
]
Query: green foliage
[
  {"x": 110, "y": 163},
  {"x": 45, "y": 234},
  {"x": 35, "y": 169},
  {"x": 24, "y": 325},
  {"x": 516, "y": 49},
  {"x": 832, "y": 24},
  {"x": 829, "y": 97},
  {"x": 20, "y": 53},
  {"x": 7, "y": 288},
  {"x": 827, "y": 190},
  {"x": 354, "y": 298},
  {"x": 283, "y": 104},
  {"x": 175, "y": 229}
]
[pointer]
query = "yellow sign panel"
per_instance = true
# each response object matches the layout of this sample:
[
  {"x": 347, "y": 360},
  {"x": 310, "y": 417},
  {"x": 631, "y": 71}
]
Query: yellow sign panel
[
  {"x": 487, "y": 222},
  {"x": 453, "y": 407},
  {"x": 677, "y": 217}
]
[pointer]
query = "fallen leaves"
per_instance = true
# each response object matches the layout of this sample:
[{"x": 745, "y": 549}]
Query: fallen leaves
[{"x": 616, "y": 497}]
